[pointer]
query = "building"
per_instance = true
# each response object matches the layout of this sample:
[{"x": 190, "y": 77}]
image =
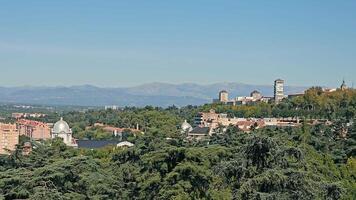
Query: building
[
  {"x": 17, "y": 115},
  {"x": 27, "y": 115},
  {"x": 278, "y": 90},
  {"x": 33, "y": 129},
  {"x": 9, "y": 138},
  {"x": 186, "y": 127},
  {"x": 343, "y": 86},
  {"x": 95, "y": 144},
  {"x": 223, "y": 96},
  {"x": 112, "y": 107},
  {"x": 199, "y": 132},
  {"x": 248, "y": 124},
  {"x": 115, "y": 131},
  {"x": 61, "y": 130},
  {"x": 244, "y": 100},
  {"x": 256, "y": 95},
  {"x": 204, "y": 119},
  {"x": 266, "y": 99},
  {"x": 215, "y": 121},
  {"x": 125, "y": 144}
]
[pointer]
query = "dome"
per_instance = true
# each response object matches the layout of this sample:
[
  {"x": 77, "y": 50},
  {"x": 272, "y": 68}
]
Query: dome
[
  {"x": 186, "y": 126},
  {"x": 125, "y": 144},
  {"x": 61, "y": 127}
]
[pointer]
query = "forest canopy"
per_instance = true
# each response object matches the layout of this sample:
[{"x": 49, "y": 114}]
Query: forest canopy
[{"x": 306, "y": 162}]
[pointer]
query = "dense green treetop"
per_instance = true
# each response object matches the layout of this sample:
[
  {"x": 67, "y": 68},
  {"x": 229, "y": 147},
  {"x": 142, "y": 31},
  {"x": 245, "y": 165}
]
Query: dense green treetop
[{"x": 307, "y": 162}]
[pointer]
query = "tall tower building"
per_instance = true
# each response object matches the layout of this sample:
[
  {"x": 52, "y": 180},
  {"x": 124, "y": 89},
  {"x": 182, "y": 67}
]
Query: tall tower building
[
  {"x": 278, "y": 90},
  {"x": 223, "y": 96}
]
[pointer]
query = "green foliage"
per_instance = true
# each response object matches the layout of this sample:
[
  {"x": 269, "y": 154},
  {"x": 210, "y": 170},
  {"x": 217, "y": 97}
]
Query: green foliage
[{"x": 307, "y": 162}]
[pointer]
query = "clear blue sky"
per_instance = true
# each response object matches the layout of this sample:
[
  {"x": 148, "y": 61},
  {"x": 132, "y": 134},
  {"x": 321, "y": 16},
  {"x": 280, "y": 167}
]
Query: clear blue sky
[{"x": 125, "y": 43}]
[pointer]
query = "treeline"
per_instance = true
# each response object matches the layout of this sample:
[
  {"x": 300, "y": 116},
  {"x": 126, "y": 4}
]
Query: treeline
[
  {"x": 315, "y": 104},
  {"x": 271, "y": 163},
  {"x": 307, "y": 162}
]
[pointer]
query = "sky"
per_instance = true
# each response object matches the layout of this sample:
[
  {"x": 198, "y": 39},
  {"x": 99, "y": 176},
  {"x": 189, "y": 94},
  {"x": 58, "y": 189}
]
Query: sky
[{"x": 115, "y": 43}]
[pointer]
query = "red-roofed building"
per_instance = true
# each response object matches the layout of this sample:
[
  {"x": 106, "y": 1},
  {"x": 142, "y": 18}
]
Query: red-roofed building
[
  {"x": 247, "y": 125},
  {"x": 34, "y": 129}
]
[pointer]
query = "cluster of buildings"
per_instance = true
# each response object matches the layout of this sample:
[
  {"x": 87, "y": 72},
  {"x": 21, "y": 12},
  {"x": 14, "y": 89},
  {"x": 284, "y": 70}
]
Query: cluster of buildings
[
  {"x": 38, "y": 131},
  {"x": 27, "y": 115},
  {"x": 255, "y": 96},
  {"x": 112, "y": 107},
  {"x": 208, "y": 123}
]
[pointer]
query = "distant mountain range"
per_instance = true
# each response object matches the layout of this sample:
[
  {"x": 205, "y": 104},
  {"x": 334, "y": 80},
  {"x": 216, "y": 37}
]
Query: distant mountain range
[{"x": 156, "y": 94}]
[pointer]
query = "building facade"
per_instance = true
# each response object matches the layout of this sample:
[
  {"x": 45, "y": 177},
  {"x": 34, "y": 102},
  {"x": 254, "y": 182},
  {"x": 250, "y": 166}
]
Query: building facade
[
  {"x": 34, "y": 129},
  {"x": 223, "y": 96},
  {"x": 278, "y": 90},
  {"x": 9, "y": 138},
  {"x": 61, "y": 130}
]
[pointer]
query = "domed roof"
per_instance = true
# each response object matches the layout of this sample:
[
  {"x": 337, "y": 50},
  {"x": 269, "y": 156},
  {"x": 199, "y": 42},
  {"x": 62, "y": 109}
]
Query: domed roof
[
  {"x": 186, "y": 126},
  {"x": 61, "y": 127},
  {"x": 125, "y": 144}
]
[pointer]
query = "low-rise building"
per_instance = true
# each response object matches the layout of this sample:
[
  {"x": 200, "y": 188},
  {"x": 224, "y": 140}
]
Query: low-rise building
[
  {"x": 116, "y": 131},
  {"x": 95, "y": 144},
  {"x": 112, "y": 107},
  {"x": 34, "y": 129},
  {"x": 249, "y": 124},
  {"x": 214, "y": 120},
  {"x": 27, "y": 115},
  {"x": 204, "y": 119},
  {"x": 199, "y": 132},
  {"x": 125, "y": 144}
]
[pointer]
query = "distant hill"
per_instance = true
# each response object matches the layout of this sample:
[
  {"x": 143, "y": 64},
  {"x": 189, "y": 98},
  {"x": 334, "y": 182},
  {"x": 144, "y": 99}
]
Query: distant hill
[{"x": 156, "y": 94}]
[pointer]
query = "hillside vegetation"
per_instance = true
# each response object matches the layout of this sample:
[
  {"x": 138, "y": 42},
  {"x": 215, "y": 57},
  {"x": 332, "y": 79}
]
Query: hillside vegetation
[{"x": 307, "y": 162}]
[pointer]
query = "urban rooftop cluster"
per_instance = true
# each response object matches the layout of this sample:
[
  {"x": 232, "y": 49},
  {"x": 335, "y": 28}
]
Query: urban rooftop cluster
[{"x": 256, "y": 96}]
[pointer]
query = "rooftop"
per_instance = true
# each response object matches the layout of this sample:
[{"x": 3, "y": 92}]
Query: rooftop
[{"x": 95, "y": 144}]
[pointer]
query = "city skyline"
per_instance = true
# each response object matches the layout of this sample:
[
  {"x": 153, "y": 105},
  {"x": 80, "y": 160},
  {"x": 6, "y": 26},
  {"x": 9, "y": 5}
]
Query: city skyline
[{"x": 123, "y": 44}]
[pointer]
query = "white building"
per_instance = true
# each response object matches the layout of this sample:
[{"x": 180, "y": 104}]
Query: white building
[
  {"x": 112, "y": 107},
  {"x": 186, "y": 127},
  {"x": 61, "y": 129},
  {"x": 278, "y": 90}
]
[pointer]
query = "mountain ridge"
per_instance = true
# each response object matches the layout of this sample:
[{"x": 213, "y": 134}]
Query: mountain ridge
[{"x": 155, "y": 93}]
